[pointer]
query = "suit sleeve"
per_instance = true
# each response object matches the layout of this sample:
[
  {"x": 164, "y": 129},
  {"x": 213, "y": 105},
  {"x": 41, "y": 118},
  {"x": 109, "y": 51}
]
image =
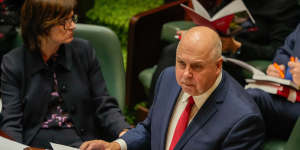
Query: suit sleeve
[
  {"x": 108, "y": 111},
  {"x": 12, "y": 107},
  {"x": 247, "y": 133},
  {"x": 140, "y": 137},
  {"x": 283, "y": 53}
]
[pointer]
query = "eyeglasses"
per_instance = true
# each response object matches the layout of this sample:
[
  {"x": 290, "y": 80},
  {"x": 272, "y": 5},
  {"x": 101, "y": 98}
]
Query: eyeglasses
[{"x": 68, "y": 22}]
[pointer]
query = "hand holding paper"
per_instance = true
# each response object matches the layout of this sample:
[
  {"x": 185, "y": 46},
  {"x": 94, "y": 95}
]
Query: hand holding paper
[{"x": 276, "y": 72}]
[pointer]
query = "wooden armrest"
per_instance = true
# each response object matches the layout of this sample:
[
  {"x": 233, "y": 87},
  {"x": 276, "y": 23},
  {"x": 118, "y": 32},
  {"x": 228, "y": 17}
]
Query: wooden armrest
[{"x": 144, "y": 45}]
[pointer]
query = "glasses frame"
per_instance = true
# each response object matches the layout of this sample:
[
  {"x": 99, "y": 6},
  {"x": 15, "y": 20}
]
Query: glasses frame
[{"x": 68, "y": 22}]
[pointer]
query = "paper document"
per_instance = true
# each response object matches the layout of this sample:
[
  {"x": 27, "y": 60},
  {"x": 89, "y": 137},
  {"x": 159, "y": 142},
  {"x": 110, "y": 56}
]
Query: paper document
[
  {"x": 61, "y": 147},
  {"x": 6, "y": 144},
  {"x": 234, "y": 18}
]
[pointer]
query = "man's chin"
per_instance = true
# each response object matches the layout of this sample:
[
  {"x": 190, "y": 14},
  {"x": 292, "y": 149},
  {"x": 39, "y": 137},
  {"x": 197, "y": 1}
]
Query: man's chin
[{"x": 188, "y": 90}]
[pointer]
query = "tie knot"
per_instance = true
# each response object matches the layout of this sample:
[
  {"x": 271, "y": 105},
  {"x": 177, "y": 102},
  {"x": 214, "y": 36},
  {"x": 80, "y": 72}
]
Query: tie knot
[{"x": 191, "y": 101}]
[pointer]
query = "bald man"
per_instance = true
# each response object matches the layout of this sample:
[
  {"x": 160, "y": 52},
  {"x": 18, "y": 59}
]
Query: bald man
[{"x": 197, "y": 105}]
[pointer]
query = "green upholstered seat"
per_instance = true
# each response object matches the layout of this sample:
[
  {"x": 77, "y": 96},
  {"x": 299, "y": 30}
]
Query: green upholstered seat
[
  {"x": 274, "y": 144},
  {"x": 169, "y": 29},
  {"x": 259, "y": 64},
  {"x": 293, "y": 142},
  {"x": 146, "y": 77},
  {"x": 108, "y": 50}
]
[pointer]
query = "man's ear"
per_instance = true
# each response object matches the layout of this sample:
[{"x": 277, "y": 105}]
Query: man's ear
[{"x": 219, "y": 64}]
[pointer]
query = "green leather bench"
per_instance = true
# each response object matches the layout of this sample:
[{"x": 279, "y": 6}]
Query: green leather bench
[{"x": 108, "y": 50}]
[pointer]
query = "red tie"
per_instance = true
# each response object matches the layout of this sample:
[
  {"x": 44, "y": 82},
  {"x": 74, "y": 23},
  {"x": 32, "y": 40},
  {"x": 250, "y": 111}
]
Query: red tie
[{"x": 182, "y": 123}]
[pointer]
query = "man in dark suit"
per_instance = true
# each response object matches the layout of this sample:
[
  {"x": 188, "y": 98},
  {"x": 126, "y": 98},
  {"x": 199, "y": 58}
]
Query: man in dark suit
[{"x": 197, "y": 105}]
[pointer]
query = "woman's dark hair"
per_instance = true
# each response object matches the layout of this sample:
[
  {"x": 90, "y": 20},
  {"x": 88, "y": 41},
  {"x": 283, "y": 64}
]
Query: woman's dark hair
[{"x": 38, "y": 16}]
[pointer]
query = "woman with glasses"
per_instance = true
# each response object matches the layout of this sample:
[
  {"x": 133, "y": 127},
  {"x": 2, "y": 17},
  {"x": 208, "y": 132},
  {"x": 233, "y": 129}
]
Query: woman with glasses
[{"x": 52, "y": 87}]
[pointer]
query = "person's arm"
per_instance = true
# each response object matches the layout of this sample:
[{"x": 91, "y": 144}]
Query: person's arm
[
  {"x": 12, "y": 108},
  {"x": 108, "y": 111},
  {"x": 283, "y": 53},
  {"x": 140, "y": 136},
  {"x": 246, "y": 134},
  {"x": 136, "y": 138}
]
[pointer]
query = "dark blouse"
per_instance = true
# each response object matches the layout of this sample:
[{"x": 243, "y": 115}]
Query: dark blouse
[{"x": 57, "y": 116}]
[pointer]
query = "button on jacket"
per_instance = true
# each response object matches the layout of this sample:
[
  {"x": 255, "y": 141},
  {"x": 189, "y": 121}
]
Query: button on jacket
[{"x": 27, "y": 84}]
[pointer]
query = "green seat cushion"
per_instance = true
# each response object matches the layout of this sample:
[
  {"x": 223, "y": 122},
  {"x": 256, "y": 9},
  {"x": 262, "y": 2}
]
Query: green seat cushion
[
  {"x": 274, "y": 144},
  {"x": 259, "y": 64},
  {"x": 145, "y": 78},
  {"x": 108, "y": 51},
  {"x": 293, "y": 142},
  {"x": 169, "y": 29}
]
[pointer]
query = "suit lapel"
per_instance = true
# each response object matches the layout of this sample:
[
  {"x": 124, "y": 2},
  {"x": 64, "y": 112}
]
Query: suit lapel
[
  {"x": 172, "y": 97},
  {"x": 203, "y": 115}
]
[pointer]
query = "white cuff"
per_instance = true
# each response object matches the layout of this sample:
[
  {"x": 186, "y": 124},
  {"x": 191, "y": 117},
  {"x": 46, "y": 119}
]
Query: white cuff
[{"x": 122, "y": 143}]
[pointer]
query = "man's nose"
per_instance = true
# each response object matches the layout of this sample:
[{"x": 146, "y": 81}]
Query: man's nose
[{"x": 188, "y": 72}]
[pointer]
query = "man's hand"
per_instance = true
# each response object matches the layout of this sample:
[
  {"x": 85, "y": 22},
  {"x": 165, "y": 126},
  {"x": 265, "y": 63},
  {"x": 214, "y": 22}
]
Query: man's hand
[
  {"x": 295, "y": 71},
  {"x": 229, "y": 44},
  {"x": 273, "y": 71},
  {"x": 100, "y": 145}
]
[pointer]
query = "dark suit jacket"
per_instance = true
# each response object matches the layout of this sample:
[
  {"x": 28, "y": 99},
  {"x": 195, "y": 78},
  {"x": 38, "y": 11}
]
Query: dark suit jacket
[
  {"x": 228, "y": 120},
  {"x": 290, "y": 48},
  {"x": 27, "y": 83}
]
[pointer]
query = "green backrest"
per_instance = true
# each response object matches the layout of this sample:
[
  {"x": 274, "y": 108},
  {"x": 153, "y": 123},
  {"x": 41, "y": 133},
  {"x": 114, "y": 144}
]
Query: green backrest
[
  {"x": 274, "y": 144},
  {"x": 108, "y": 51},
  {"x": 293, "y": 142}
]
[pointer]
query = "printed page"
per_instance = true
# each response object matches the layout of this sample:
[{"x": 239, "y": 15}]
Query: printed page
[
  {"x": 199, "y": 9},
  {"x": 61, "y": 147},
  {"x": 259, "y": 75},
  {"x": 197, "y": 19},
  {"x": 232, "y": 8},
  {"x": 265, "y": 87},
  {"x": 6, "y": 144},
  {"x": 275, "y": 79}
]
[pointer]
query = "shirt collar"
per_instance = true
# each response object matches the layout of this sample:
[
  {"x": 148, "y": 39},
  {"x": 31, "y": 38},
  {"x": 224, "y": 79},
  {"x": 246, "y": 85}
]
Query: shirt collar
[
  {"x": 34, "y": 61},
  {"x": 200, "y": 99}
]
